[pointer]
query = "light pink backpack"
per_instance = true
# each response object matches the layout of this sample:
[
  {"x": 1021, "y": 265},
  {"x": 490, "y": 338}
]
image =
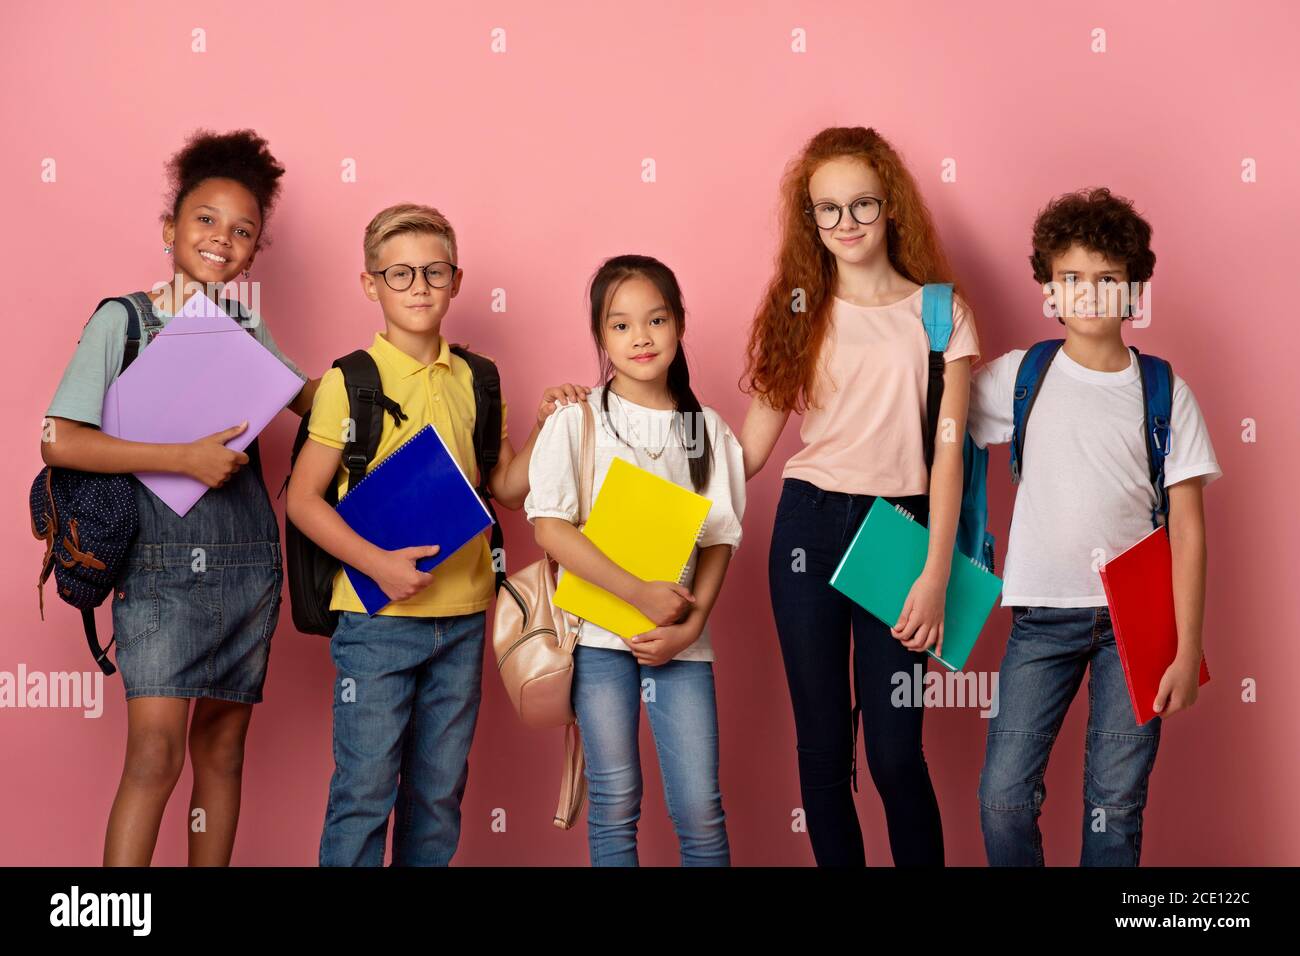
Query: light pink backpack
[{"x": 534, "y": 642}]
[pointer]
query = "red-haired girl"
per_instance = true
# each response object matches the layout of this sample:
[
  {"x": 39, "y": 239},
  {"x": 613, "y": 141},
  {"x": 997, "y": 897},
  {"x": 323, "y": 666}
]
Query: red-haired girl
[{"x": 838, "y": 338}]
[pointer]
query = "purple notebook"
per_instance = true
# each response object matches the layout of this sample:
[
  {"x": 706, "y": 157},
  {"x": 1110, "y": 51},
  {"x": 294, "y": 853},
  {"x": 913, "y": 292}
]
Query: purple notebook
[{"x": 201, "y": 374}]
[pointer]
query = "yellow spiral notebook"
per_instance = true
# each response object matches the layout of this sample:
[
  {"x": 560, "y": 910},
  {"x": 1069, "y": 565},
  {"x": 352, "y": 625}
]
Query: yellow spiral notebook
[{"x": 645, "y": 524}]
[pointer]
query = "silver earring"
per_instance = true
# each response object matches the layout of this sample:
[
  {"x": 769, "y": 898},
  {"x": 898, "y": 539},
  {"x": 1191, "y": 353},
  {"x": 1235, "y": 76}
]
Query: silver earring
[
  {"x": 167, "y": 250},
  {"x": 245, "y": 273}
]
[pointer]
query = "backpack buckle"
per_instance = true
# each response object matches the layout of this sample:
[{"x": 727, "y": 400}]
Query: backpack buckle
[
  {"x": 354, "y": 462},
  {"x": 367, "y": 394},
  {"x": 1161, "y": 510},
  {"x": 1160, "y": 432}
]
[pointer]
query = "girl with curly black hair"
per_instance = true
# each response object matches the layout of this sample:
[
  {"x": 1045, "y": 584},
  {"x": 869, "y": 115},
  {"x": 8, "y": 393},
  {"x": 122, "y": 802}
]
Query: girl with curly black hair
[{"x": 198, "y": 601}]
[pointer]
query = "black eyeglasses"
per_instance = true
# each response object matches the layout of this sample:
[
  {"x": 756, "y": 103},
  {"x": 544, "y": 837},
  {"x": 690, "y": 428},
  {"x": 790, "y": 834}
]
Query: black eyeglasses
[
  {"x": 865, "y": 210},
  {"x": 400, "y": 276}
]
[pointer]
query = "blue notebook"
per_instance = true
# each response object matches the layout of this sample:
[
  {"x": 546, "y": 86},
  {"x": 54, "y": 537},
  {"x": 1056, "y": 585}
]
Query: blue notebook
[{"x": 416, "y": 496}]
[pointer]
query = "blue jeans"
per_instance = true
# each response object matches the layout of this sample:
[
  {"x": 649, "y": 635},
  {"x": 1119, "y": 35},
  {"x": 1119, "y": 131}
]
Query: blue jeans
[
  {"x": 405, "y": 704},
  {"x": 608, "y": 686},
  {"x": 1046, "y": 655}
]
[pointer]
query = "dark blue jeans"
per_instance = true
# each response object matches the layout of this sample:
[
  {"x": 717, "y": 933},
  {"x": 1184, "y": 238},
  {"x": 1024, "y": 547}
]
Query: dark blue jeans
[
  {"x": 1047, "y": 653},
  {"x": 813, "y": 621}
]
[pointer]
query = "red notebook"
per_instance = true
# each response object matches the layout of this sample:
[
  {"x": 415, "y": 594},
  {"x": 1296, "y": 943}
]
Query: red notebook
[{"x": 1140, "y": 592}]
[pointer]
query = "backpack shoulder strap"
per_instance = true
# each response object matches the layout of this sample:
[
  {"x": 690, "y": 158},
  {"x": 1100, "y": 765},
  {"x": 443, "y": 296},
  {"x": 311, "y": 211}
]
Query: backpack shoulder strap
[
  {"x": 936, "y": 317},
  {"x": 366, "y": 406},
  {"x": 149, "y": 320},
  {"x": 1029, "y": 379},
  {"x": 135, "y": 308},
  {"x": 487, "y": 409},
  {"x": 1157, "y": 400},
  {"x": 235, "y": 309},
  {"x": 936, "y": 314},
  {"x": 487, "y": 436}
]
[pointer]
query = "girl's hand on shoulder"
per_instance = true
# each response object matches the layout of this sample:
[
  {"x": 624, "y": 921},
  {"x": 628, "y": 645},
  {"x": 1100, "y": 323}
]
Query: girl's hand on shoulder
[
  {"x": 557, "y": 395},
  {"x": 920, "y": 626},
  {"x": 210, "y": 461},
  {"x": 661, "y": 645}
]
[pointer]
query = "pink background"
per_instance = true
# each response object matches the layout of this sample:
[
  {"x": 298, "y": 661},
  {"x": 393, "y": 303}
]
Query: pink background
[{"x": 535, "y": 156}]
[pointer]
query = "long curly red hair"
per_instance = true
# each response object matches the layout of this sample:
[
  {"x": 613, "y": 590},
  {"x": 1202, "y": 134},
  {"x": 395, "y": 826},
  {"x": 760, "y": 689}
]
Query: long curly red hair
[{"x": 784, "y": 343}]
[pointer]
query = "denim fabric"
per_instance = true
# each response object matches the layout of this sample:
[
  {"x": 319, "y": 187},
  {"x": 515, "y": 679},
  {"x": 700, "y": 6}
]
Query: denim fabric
[
  {"x": 198, "y": 602},
  {"x": 608, "y": 687},
  {"x": 406, "y": 700},
  {"x": 1043, "y": 667}
]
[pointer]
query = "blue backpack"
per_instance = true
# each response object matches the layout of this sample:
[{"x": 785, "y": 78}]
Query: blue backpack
[
  {"x": 973, "y": 537},
  {"x": 1157, "y": 397}
]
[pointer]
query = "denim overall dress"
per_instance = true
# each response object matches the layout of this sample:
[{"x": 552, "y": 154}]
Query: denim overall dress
[{"x": 195, "y": 609}]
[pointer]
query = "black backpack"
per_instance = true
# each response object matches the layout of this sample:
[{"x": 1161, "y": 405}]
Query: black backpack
[
  {"x": 312, "y": 568},
  {"x": 87, "y": 520}
]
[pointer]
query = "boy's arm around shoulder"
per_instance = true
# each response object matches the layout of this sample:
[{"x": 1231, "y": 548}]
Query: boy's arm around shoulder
[
  {"x": 509, "y": 479},
  {"x": 989, "y": 416}
]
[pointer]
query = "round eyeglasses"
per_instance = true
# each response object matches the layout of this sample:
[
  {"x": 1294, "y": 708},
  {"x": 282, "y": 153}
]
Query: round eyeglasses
[
  {"x": 400, "y": 276},
  {"x": 865, "y": 210}
]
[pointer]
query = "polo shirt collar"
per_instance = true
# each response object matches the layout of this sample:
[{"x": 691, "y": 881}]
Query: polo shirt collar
[{"x": 406, "y": 364}]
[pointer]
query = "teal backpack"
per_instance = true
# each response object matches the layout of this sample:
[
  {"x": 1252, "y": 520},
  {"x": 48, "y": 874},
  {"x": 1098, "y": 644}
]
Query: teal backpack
[{"x": 973, "y": 537}]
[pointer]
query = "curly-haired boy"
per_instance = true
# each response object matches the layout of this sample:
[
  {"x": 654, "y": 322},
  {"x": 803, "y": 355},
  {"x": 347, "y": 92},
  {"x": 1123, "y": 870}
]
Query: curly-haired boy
[{"x": 1091, "y": 484}]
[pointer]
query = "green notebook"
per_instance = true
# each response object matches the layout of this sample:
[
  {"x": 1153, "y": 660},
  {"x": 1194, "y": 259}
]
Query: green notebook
[{"x": 885, "y": 558}]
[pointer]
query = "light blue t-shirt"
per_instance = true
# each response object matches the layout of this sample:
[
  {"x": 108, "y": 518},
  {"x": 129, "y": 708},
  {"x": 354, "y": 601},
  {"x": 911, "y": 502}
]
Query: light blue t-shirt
[{"x": 98, "y": 360}]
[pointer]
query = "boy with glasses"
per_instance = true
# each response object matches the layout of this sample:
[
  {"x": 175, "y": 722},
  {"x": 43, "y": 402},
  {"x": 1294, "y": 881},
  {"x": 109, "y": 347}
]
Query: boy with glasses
[{"x": 407, "y": 693}]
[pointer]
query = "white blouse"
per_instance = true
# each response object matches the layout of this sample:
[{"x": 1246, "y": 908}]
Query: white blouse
[{"x": 554, "y": 469}]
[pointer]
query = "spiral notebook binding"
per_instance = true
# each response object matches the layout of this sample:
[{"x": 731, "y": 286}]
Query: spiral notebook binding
[
  {"x": 699, "y": 533},
  {"x": 904, "y": 512},
  {"x": 397, "y": 451}
]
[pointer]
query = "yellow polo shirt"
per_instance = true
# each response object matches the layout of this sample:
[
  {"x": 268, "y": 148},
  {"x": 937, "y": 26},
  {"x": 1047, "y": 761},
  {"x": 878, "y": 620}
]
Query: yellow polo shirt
[{"x": 440, "y": 394}]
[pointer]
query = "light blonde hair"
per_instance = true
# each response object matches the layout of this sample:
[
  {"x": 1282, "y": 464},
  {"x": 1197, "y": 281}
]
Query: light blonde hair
[{"x": 403, "y": 218}]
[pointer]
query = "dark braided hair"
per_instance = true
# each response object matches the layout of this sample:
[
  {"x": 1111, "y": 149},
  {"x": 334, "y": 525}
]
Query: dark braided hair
[
  {"x": 242, "y": 156},
  {"x": 608, "y": 277}
]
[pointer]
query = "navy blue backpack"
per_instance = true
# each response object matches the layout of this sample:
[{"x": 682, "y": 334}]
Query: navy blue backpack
[
  {"x": 1157, "y": 399},
  {"x": 88, "y": 520}
]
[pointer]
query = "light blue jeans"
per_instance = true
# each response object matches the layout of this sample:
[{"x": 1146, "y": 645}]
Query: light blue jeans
[
  {"x": 608, "y": 687},
  {"x": 405, "y": 703},
  {"x": 1047, "y": 654}
]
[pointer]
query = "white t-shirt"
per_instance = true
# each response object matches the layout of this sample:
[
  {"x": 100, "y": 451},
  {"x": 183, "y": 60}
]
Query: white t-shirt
[
  {"x": 1085, "y": 493},
  {"x": 553, "y": 473}
]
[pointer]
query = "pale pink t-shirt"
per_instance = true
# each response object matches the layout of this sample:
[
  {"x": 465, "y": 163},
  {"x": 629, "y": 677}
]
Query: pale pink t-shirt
[{"x": 865, "y": 432}]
